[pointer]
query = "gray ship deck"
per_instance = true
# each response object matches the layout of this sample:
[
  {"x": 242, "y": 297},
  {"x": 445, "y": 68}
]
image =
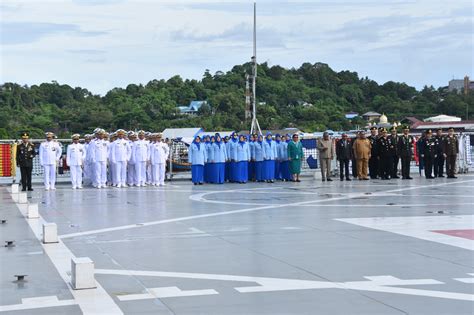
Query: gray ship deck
[{"x": 375, "y": 247}]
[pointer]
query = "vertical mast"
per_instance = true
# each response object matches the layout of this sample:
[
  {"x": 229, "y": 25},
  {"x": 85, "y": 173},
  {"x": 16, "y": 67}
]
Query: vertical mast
[{"x": 255, "y": 126}]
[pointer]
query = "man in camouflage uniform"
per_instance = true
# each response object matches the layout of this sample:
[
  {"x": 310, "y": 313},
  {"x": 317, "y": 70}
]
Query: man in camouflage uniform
[
  {"x": 405, "y": 149},
  {"x": 439, "y": 160},
  {"x": 450, "y": 152}
]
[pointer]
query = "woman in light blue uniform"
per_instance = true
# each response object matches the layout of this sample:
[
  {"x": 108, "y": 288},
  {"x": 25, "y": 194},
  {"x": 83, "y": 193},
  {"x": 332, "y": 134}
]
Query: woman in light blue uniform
[
  {"x": 277, "y": 158},
  {"x": 197, "y": 156},
  {"x": 220, "y": 157},
  {"x": 252, "y": 157},
  {"x": 283, "y": 154},
  {"x": 211, "y": 166},
  {"x": 232, "y": 156},
  {"x": 269, "y": 148},
  {"x": 242, "y": 157},
  {"x": 226, "y": 141},
  {"x": 207, "y": 145},
  {"x": 259, "y": 154}
]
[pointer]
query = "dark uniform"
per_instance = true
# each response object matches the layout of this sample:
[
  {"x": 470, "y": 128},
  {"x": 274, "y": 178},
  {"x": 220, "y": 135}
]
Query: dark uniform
[
  {"x": 439, "y": 160},
  {"x": 451, "y": 149},
  {"x": 25, "y": 153},
  {"x": 429, "y": 154},
  {"x": 344, "y": 155},
  {"x": 373, "y": 161},
  {"x": 405, "y": 150},
  {"x": 354, "y": 161},
  {"x": 383, "y": 144},
  {"x": 394, "y": 155}
]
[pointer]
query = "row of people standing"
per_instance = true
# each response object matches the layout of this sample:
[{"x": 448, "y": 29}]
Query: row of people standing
[{"x": 243, "y": 158}]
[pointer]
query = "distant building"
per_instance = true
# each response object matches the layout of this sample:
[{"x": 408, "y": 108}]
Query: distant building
[
  {"x": 459, "y": 126},
  {"x": 370, "y": 116},
  {"x": 351, "y": 115},
  {"x": 192, "y": 108},
  {"x": 442, "y": 118},
  {"x": 458, "y": 85}
]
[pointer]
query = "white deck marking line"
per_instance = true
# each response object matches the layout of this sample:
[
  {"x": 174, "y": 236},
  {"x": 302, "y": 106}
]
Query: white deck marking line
[
  {"x": 165, "y": 292},
  {"x": 421, "y": 227},
  {"x": 90, "y": 301},
  {"x": 37, "y": 302},
  {"x": 215, "y": 214},
  {"x": 265, "y": 284},
  {"x": 466, "y": 280}
]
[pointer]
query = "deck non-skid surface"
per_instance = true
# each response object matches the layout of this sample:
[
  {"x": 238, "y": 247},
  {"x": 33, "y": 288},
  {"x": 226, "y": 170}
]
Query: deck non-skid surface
[{"x": 360, "y": 247}]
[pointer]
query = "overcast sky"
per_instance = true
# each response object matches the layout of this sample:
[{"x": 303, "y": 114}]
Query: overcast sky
[{"x": 101, "y": 44}]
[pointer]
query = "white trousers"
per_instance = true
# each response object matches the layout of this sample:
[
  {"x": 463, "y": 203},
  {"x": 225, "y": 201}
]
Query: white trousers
[
  {"x": 49, "y": 175},
  {"x": 76, "y": 175},
  {"x": 100, "y": 174},
  {"x": 149, "y": 175},
  {"x": 158, "y": 173},
  {"x": 131, "y": 177},
  {"x": 120, "y": 173},
  {"x": 140, "y": 172}
]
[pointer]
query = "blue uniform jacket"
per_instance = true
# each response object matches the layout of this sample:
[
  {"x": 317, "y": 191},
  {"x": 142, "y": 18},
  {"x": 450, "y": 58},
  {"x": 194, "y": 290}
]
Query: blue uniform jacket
[
  {"x": 219, "y": 153},
  {"x": 259, "y": 152},
  {"x": 242, "y": 152},
  {"x": 283, "y": 151},
  {"x": 197, "y": 156},
  {"x": 270, "y": 150}
]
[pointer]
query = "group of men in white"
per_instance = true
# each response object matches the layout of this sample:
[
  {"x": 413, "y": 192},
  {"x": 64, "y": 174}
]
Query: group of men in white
[{"x": 120, "y": 159}]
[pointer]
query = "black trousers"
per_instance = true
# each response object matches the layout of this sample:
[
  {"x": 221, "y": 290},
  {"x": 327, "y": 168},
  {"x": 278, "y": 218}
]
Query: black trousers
[
  {"x": 406, "y": 166},
  {"x": 344, "y": 168},
  {"x": 429, "y": 161},
  {"x": 26, "y": 177},
  {"x": 385, "y": 166},
  {"x": 354, "y": 168},
  {"x": 394, "y": 170},
  {"x": 373, "y": 167},
  {"x": 439, "y": 165},
  {"x": 450, "y": 165}
]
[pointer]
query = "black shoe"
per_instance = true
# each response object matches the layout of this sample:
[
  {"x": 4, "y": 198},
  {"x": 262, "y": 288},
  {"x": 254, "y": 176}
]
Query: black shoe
[
  {"x": 440, "y": 175},
  {"x": 298, "y": 181},
  {"x": 348, "y": 179},
  {"x": 324, "y": 180},
  {"x": 30, "y": 189},
  {"x": 23, "y": 189},
  {"x": 409, "y": 177},
  {"x": 195, "y": 184},
  {"x": 200, "y": 183},
  {"x": 430, "y": 177},
  {"x": 395, "y": 176},
  {"x": 342, "y": 178},
  {"x": 329, "y": 180}
]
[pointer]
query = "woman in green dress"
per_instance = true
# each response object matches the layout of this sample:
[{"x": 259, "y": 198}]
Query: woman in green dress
[{"x": 295, "y": 154}]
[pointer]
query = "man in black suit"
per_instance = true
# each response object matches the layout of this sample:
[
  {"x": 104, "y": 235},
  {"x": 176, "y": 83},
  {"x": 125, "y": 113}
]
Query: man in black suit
[
  {"x": 25, "y": 152},
  {"x": 344, "y": 155}
]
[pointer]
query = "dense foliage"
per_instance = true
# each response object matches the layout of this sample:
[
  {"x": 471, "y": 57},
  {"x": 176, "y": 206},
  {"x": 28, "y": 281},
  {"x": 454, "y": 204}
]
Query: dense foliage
[{"x": 281, "y": 93}]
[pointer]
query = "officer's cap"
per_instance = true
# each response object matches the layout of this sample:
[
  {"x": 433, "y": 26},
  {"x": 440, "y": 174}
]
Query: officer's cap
[
  {"x": 25, "y": 135},
  {"x": 382, "y": 129},
  {"x": 450, "y": 129},
  {"x": 97, "y": 130},
  {"x": 406, "y": 127},
  {"x": 373, "y": 128},
  {"x": 439, "y": 129},
  {"x": 393, "y": 129},
  {"x": 120, "y": 132},
  {"x": 141, "y": 132},
  {"x": 75, "y": 136},
  {"x": 428, "y": 131},
  {"x": 159, "y": 135},
  {"x": 49, "y": 134}
]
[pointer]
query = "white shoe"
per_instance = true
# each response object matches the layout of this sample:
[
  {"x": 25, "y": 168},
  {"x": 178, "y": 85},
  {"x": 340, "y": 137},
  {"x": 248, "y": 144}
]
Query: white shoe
[
  {"x": 80, "y": 187},
  {"x": 46, "y": 188},
  {"x": 53, "y": 188},
  {"x": 124, "y": 185},
  {"x": 162, "y": 184},
  {"x": 74, "y": 187},
  {"x": 99, "y": 187},
  {"x": 144, "y": 185}
]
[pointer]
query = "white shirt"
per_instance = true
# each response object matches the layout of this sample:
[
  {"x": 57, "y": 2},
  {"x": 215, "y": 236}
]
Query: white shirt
[
  {"x": 120, "y": 151},
  {"x": 159, "y": 152},
  {"x": 49, "y": 152},
  {"x": 98, "y": 150},
  {"x": 76, "y": 154},
  {"x": 140, "y": 151}
]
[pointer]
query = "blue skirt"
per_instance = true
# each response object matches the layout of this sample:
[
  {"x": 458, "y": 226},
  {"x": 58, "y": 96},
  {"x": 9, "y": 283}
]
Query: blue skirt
[
  {"x": 252, "y": 170},
  {"x": 269, "y": 170},
  {"x": 227, "y": 171},
  {"x": 234, "y": 172},
  {"x": 212, "y": 173},
  {"x": 197, "y": 173},
  {"x": 259, "y": 171},
  {"x": 285, "y": 170},
  {"x": 242, "y": 171},
  {"x": 278, "y": 170},
  {"x": 221, "y": 172}
]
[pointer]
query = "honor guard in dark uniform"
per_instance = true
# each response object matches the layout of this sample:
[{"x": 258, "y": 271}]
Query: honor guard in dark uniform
[
  {"x": 439, "y": 160},
  {"x": 450, "y": 151},
  {"x": 428, "y": 153},
  {"x": 373, "y": 161},
  {"x": 25, "y": 153},
  {"x": 383, "y": 149},
  {"x": 405, "y": 151},
  {"x": 394, "y": 154}
]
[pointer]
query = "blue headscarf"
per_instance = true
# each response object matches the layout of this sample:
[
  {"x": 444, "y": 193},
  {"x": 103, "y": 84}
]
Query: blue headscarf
[
  {"x": 260, "y": 141},
  {"x": 269, "y": 140},
  {"x": 198, "y": 144},
  {"x": 277, "y": 136},
  {"x": 234, "y": 139},
  {"x": 242, "y": 142},
  {"x": 219, "y": 142},
  {"x": 288, "y": 138}
]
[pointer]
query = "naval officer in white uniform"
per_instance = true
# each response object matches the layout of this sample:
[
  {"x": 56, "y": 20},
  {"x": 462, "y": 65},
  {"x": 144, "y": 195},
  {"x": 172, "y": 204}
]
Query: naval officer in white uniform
[
  {"x": 49, "y": 155},
  {"x": 75, "y": 157}
]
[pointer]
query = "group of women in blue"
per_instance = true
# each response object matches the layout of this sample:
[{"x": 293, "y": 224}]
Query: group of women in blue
[{"x": 240, "y": 158}]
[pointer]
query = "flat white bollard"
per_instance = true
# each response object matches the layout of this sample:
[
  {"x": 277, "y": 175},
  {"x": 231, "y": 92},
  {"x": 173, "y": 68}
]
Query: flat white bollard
[
  {"x": 50, "y": 233},
  {"x": 15, "y": 188},
  {"x": 32, "y": 212},
  {"x": 82, "y": 273},
  {"x": 22, "y": 198}
]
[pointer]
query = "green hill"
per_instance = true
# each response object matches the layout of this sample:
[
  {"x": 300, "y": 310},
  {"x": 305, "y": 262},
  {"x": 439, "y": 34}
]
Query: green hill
[{"x": 281, "y": 94}]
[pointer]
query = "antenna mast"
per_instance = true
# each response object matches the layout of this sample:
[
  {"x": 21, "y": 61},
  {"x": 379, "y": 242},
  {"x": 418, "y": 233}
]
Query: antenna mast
[{"x": 254, "y": 126}]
